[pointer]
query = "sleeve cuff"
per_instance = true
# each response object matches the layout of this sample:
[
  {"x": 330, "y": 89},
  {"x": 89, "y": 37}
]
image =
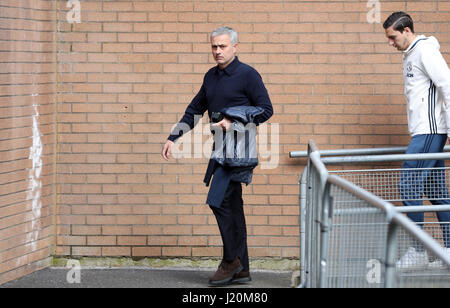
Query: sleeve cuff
[{"x": 173, "y": 138}]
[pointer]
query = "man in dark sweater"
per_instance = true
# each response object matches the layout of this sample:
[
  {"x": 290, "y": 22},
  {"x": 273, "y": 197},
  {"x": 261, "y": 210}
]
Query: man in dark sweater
[{"x": 229, "y": 84}]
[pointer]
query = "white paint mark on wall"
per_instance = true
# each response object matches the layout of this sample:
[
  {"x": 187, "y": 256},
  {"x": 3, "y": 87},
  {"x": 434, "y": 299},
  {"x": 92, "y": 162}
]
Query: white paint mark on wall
[{"x": 35, "y": 185}]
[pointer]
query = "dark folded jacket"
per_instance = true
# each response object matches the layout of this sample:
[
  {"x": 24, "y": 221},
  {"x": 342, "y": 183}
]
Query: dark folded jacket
[
  {"x": 237, "y": 147},
  {"x": 234, "y": 153}
]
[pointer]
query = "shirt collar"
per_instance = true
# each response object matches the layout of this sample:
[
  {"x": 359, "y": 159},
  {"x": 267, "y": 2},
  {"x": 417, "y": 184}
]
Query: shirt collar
[
  {"x": 414, "y": 43},
  {"x": 230, "y": 68}
]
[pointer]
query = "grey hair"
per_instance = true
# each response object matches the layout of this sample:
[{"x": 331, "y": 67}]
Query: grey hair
[{"x": 226, "y": 30}]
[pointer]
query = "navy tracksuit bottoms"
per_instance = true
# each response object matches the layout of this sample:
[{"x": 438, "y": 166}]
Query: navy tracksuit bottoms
[{"x": 430, "y": 181}]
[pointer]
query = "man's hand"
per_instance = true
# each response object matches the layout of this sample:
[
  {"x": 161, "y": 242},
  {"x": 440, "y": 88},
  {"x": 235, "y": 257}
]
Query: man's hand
[
  {"x": 225, "y": 124},
  {"x": 167, "y": 150}
]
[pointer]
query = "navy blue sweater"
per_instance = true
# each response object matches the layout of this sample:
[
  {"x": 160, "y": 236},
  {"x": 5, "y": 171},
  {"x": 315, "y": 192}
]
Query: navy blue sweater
[{"x": 237, "y": 85}]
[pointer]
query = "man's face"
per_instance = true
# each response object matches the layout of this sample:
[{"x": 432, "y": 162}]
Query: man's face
[
  {"x": 397, "y": 39},
  {"x": 222, "y": 49}
]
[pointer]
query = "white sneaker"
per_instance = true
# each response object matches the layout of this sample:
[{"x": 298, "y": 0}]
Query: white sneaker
[
  {"x": 439, "y": 264},
  {"x": 413, "y": 259}
]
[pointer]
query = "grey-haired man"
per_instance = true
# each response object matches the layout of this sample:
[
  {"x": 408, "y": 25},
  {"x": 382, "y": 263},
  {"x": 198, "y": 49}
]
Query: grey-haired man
[{"x": 229, "y": 88}]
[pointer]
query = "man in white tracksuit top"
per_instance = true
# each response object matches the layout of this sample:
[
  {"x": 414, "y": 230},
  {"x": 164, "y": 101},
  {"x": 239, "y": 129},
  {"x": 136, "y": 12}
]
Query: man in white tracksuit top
[{"x": 427, "y": 90}]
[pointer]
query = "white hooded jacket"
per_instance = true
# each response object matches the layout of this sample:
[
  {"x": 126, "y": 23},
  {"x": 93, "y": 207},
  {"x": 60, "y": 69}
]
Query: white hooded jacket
[{"x": 427, "y": 87}]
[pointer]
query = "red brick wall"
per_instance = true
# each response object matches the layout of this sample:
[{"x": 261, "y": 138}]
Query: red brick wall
[
  {"x": 27, "y": 126},
  {"x": 128, "y": 71}
]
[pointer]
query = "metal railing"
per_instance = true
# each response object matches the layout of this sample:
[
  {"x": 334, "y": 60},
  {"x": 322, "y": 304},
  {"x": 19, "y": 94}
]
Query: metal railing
[{"x": 351, "y": 233}]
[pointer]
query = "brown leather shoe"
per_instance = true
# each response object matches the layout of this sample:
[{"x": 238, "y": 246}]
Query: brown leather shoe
[
  {"x": 241, "y": 277},
  {"x": 225, "y": 273}
]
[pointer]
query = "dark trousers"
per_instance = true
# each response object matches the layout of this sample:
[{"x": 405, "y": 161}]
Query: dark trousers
[
  {"x": 231, "y": 221},
  {"x": 416, "y": 182}
]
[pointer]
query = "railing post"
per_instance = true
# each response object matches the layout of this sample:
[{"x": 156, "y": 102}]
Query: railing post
[
  {"x": 308, "y": 228},
  {"x": 327, "y": 200},
  {"x": 391, "y": 255},
  {"x": 302, "y": 225}
]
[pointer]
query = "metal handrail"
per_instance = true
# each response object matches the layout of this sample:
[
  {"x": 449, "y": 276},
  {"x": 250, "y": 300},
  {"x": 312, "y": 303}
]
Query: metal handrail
[
  {"x": 385, "y": 158},
  {"x": 351, "y": 152},
  {"x": 394, "y": 215}
]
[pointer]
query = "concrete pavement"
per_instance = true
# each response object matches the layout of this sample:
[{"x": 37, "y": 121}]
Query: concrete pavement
[{"x": 140, "y": 277}]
